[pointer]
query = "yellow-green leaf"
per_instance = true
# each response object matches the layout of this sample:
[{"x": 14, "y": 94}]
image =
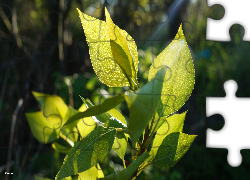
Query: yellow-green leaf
[
  {"x": 48, "y": 123},
  {"x": 172, "y": 124},
  {"x": 43, "y": 130},
  {"x": 87, "y": 152},
  {"x": 120, "y": 146},
  {"x": 70, "y": 130},
  {"x": 105, "y": 66},
  {"x": 142, "y": 105},
  {"x": 91, "y": 174},
  {"x": 121, "y": 59},
  {"x": 61, "y": 148},
  {"x": 52, "y": 106},
  {"x": 113, "y": 112},
  {"x": 172, "y": 149},
  {"x": 127, "y": 44},
  {"x": 85, "y": 125},
  {"x": 179, "y": 79}
]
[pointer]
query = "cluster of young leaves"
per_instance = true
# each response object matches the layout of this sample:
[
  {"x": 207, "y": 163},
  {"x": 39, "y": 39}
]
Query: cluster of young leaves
[{"x": 101, "y": 128}]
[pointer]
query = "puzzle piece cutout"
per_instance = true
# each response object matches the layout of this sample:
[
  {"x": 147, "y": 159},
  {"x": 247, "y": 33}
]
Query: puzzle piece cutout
[
  {"x": 235, "y": 133},
  {"x": 235, "y": 12}
]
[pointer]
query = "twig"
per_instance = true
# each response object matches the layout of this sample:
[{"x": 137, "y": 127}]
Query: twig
[
  {"x": 3, "y": 167},
  {"x": 130, "y": 149},
  {"x": 60, "y": 29},
  {"x": 15, "y": 29},
  {"x": 5, "y": 20},
  {"x": 13, "y": 123}
]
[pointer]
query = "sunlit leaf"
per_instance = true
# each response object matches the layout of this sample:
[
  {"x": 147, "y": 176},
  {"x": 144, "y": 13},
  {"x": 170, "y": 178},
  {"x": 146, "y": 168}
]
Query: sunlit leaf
[
  {"x": 86, "y": 153},
  {"x": 91, "y": 174},
  {"x": 49, "y": 123},
  {"x": 129, "y": 171},
  {"x": 99, "y": 109},
  {"x": 106, "y": 119},
  {"x": 70, "y": 130},
  {"x": 179, "y": 78},
  {"x": 120, "y": 146},
  {"x": 43, "y": 130},
  {"x": 142, "y": 105},
  {"x": 61, "y": 148},
  {"x": 172, "y": 149},
  {"x": 52, "y": 106},
  {"x": 99, "y": 171},
  {"x": 172, "y": 124},
  {"x": 85, "y": 125},
  {"x": 118, "y": 115},
  {"x": 124, "y": 54},
  {"x": 122, "y": 60},
  {"x": 98, "y": 38}
]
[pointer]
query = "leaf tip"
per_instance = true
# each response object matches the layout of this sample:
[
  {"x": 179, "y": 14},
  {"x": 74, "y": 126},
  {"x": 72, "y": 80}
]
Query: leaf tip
[
  {"x": 180, "y": 34},
  {"x": 78, "y": 11},
  {"x": 107, "y": 13}
]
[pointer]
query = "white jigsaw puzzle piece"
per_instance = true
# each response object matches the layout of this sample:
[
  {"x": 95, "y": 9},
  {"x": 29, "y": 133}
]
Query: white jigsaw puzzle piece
[
  {"x": 235, "y": 134},
  {"x": 236, "y": 12}
]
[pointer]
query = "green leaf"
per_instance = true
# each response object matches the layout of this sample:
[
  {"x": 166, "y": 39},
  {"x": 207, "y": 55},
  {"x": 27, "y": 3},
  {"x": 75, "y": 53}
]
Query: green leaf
[
  {"x": 98, "y": 38},
  {"x": 142, "y": 105},
  {"x": 46, "y": 130},
  {"x": 91, "y": 174},
  {"x": 106, "y": 119},
  {"x": 43, "y": 130},
  {"x": 52, "y": 106},
  {"x": 119, "y": 39},
  {"x": 117, "y": 115},
  {"x": 70, "y": 130},
  {"x": 61, "y": 148},
  {"x": 179, "y": 79},
  {"x": 47, "y": 124},
  {"x": 129, "y": 171},
  {"x": 99, "y": 172},
  {"x": 173, "y": 148},
  {"x": 85, "y": 125},
  {"x": 86, "y": 153},
  {"x": 122, "y": 60},
  {"x": 172, "y": 124},
  {"x": 120, "y": 146},
  {"x": 99, "y": 109}
]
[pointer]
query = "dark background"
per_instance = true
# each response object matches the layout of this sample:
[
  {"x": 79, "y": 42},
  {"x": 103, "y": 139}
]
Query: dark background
[{"x": 42, "y": 46}]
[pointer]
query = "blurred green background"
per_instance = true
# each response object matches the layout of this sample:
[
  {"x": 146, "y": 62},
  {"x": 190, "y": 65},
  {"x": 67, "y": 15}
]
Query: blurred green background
[{"x": 43, "y": 48}]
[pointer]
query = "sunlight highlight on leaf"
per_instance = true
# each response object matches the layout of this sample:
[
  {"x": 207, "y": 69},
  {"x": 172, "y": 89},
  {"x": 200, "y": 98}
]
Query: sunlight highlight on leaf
[
  {"x": 107, "y": 69},
  {"x": 179, "y": 79}
]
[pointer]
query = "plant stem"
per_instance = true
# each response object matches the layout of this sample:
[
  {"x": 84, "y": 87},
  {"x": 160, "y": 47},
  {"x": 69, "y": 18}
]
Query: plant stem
[
  {"x": 130, "y": 149},
  {"x": 151, "y": 135},
  {"x": 124, "y": 165},
  {"x": 67, "y": 139}
]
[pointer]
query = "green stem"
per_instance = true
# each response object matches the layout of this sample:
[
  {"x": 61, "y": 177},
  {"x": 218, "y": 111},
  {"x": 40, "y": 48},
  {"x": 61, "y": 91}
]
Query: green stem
[
  {"x": 130, "y": 149},
  {"x": 140, "y": 169},
  {"x": 67, "y": 139},
  {"x": 124, "y": 165},
  {"x": 151, "y": 135}
]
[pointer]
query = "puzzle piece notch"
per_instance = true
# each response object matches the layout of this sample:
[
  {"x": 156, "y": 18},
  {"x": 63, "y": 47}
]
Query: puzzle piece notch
[
  {"x": 236, "y": 12},
  {"x": 235, "y": 112}
]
